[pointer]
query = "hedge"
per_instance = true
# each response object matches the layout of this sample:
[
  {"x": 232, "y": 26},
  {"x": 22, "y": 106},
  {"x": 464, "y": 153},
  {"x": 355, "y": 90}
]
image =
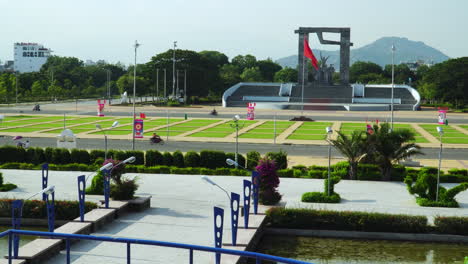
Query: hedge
[
  {"x": 349, "y": 221},
  {"x": 64, "y": 210},
  {"x": 451, "y": 225}
]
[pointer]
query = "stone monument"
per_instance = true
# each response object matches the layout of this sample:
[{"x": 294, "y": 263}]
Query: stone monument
[{"x": 345, "y": 44}]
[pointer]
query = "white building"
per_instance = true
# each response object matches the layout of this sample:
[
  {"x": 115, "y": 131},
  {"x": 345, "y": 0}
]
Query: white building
[{"x": 29, "y": 57}]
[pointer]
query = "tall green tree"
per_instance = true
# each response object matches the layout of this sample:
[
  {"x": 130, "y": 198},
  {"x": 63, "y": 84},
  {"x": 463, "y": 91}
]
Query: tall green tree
[
  {"x": 268, "y": 68},
  {"x": 251, "y": 75},
  {"x": 360, "y": 68},
  {"x": 286, "y": 75},
  {"x": 353, "y": 148},
  {"x": 244, "y": 61},
  {"x": 386, "y": 146}
]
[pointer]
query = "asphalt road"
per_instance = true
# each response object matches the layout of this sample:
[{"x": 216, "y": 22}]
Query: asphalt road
[{"x": 296, "y": 150}]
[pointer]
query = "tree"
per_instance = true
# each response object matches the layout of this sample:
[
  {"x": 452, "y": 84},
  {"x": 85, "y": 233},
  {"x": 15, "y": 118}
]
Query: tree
[
  {"x": 286, "y": 75},
  {"x": 268, "y": 68},
  {"x": 353, "y": 148},
  {"x": 402, "y": 73},
  {"x": 243, "y": 62},
  {"x": 388, "y": 146},
  {"x": 230, "y": 75},
  {"x": 251, "y": 75},
  {"x": 38, "y": 89},
  {"x": 360, "y": 67}
]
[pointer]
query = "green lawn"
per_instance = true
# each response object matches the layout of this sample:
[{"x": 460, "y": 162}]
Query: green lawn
[
  {"x": 58, "y": 131},
  {"x": 23, "y": 129},
  {"x": 307, "y": 137},
  {"x": 464, "y": 127},
  {"x": 257, "y": 135},
  {"x": 219, "y": 129},
  {"x": 17, "y": 117},
  {"x": 80, "y": 120},
  {"x": 163, "y": 133},
  {"x": 48, "y": 125},
  {"x": 450, "y": 136}
]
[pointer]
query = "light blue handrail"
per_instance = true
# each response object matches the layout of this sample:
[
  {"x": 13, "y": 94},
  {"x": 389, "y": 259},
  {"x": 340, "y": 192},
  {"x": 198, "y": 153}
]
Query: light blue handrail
[{"x": 257, "y": 256}]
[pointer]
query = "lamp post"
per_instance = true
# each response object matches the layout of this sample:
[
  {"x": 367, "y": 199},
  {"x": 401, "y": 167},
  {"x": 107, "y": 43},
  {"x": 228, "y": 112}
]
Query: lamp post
[
  {"x": 255, "y": 182},
  {"x": 329, "y": 132},
  {"x": 16, "y": 84},
  {"x": 210, "y": 181},
  {"x": 440, "y": 130},
  {"x": 236, "y": 119},
  {"x": 134, "y": 92},
  {"x": 393, "y": 82},
  {"x": 173, "y": 69},
  {"x": 98, "y": 126},
  {"x": 107, "y": 175},
  {"x": 108, "y": 86}
]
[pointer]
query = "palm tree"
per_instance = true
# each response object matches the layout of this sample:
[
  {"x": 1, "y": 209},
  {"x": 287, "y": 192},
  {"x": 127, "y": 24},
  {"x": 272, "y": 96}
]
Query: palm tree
[
  {"x": 389, "y": 146},
  {"x": 353, "y": 148}
]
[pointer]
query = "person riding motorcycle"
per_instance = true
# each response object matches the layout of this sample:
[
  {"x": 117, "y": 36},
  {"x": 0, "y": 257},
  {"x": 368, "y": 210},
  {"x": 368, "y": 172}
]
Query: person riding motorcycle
[{"x": 155, "y": 138}]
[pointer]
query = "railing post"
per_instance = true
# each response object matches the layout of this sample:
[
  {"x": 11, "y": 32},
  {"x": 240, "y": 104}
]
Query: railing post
[
  {"x": 235, "y": 199},
  {"x": 247, "y": 189},
  {"x": 128, "y": 253},
  {"x": 45, "y": 179},
  {"x": 16, "y": 215},
  {"x": 218, "y": 230},
  {"x": 67, "y": 245},
  {"x": 10, "y": 248},
  {"x": 191, "y": 256},
  {"x": 106, "y": 187},
  {"x": 255, "y": 186},
  {"x": 81, "y": 195},
  {"x": 50, "y": 211},
  {"x": 258, "y": 261}
]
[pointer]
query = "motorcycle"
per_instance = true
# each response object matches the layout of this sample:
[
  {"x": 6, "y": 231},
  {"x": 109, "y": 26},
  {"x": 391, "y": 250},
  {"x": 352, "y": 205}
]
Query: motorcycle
[{"x": 156, "y": 140}]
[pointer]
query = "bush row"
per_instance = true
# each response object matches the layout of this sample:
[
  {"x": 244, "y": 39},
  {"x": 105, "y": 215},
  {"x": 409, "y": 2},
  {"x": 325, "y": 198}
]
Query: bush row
[
  {"x": 132, "y": 168},
  {"x": 206, "y": 158},
  {"x": 362, "y": 221},
  {"x": 64, "y": 210},
  {"x": 5, "y": 187},
  {"x": 371, "y": 172},
  {"x": 349, "y": 221}
]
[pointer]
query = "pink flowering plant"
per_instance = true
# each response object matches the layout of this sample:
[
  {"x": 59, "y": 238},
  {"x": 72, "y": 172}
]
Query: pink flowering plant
[{"x": 269, "y": 181}]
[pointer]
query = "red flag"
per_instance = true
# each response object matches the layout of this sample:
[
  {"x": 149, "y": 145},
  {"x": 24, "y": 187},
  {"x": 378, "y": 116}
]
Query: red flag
[
  {"x": 142, "y": 115},
  {"x": 309, "y": 54}
]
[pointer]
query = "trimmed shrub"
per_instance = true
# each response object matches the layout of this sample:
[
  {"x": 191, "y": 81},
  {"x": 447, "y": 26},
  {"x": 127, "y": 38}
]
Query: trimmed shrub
[
  {"x": 48, "y": 153},
  {"x": 345, "y": 220},
  {"x": 64, "y": 210},
  {"x": 398, "y": 173},
  {"x": 286, "y": 173},
  {"x": 319, "y": 197},
  {"x": 192, "y": 159},
  {"x": 60, "y": 156},
  {"x": 97, "y": 185},
  {"x": 29, "y": 155},
  {"x": 280, "y": 158},
  {"x": 1, "y": 179},
  {"x": 97, "y": 154},
  {"x": 12, "y": 154},
  {"x": 212, "y": 159},
  {"x": 252, "y": 159},
  {"x": 222, "y": 171},
  {"x": 153, "y": 158},
  {"x": 167, "y": 159},
  {"x": 299, "y": 173},
  {"x": 39, "y": 156},
  {"x": 125, "y": 190},
  {"x": 451, "y": 225},
  {"x": 7, "y": 187},
  {"x": 463, "y": 172},
  {"x": 206, "y": 171},
  {"x": 340, "y": 166},
  {"x": 413, "y": 173},
  {"x": 178, "y": 159},
  {"x": 139, "y": 156},
  {"x": 240, "y": 159},
  {"x": 316, "y": 174},
  {"x": 368, "y": 172},
  {"x": 239, "y": 172},
  {"x": 80, "y": 156}
]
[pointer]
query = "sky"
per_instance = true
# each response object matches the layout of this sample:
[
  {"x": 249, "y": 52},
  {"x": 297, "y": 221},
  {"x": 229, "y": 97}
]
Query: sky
[{"x": 107, "y": 29}]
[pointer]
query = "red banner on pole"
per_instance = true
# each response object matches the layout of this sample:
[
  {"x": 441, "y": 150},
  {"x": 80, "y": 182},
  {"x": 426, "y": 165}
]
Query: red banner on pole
[{"x": 138, "y": 127}]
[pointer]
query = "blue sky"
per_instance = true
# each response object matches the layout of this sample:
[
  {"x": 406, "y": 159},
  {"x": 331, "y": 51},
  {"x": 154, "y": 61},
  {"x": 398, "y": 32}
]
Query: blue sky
[{"x": 107, "y": 29}]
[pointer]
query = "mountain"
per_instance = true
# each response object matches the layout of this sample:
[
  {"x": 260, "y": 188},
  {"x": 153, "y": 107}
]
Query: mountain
[{"x": 379, "y": 52}]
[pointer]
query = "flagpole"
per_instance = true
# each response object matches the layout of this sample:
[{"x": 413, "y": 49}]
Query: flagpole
[{"x": 303, "y": 80}]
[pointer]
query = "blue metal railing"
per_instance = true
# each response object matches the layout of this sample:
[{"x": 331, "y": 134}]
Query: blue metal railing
[{"x": 257, "y": 256}]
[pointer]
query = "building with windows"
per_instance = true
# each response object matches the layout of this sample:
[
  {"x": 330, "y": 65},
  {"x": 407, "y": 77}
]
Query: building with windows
[{"x": 29, "y": 57}]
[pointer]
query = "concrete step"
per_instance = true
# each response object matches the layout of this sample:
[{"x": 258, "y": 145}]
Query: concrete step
[
  {"x": 98, "y": 218},
  {"x": 39, "y": 250}
]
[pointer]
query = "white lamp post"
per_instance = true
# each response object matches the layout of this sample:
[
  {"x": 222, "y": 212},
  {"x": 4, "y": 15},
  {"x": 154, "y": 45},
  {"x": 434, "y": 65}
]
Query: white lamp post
[
  {"x": 329, "y": 132},
  {"x": 393, "y": 81},
  {"x": 440, "y": 130},
  {"x": 98, "y": 126},
  {"x": 134, "y": 92},
  {"x": 173, "y": 69},
  {"x": 210, "y": 181},
  {"x": 236, "y": 119}
]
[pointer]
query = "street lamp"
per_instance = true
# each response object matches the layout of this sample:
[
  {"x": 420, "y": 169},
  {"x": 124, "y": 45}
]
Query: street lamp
[
  {"x": 440, "y": 130},
  {"x": 98, "y": 126},
  {"x": 236, "y": 119},
  {"x": 173, "y": 69},
  {"x": 393, "y": 81},
  {"x": 210, "y": 181},
  {"x": 107, "y": 175},
  {"x": 329, "y": 132},
  {"x": 134, "y": 92}
]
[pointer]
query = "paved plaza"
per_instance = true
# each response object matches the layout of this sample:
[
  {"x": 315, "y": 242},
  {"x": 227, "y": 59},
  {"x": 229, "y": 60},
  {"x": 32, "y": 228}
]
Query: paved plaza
[{"x": 182, "y": 210}]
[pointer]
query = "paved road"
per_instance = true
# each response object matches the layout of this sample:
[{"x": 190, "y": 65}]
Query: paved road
[{"x": 296, "y": 150}]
